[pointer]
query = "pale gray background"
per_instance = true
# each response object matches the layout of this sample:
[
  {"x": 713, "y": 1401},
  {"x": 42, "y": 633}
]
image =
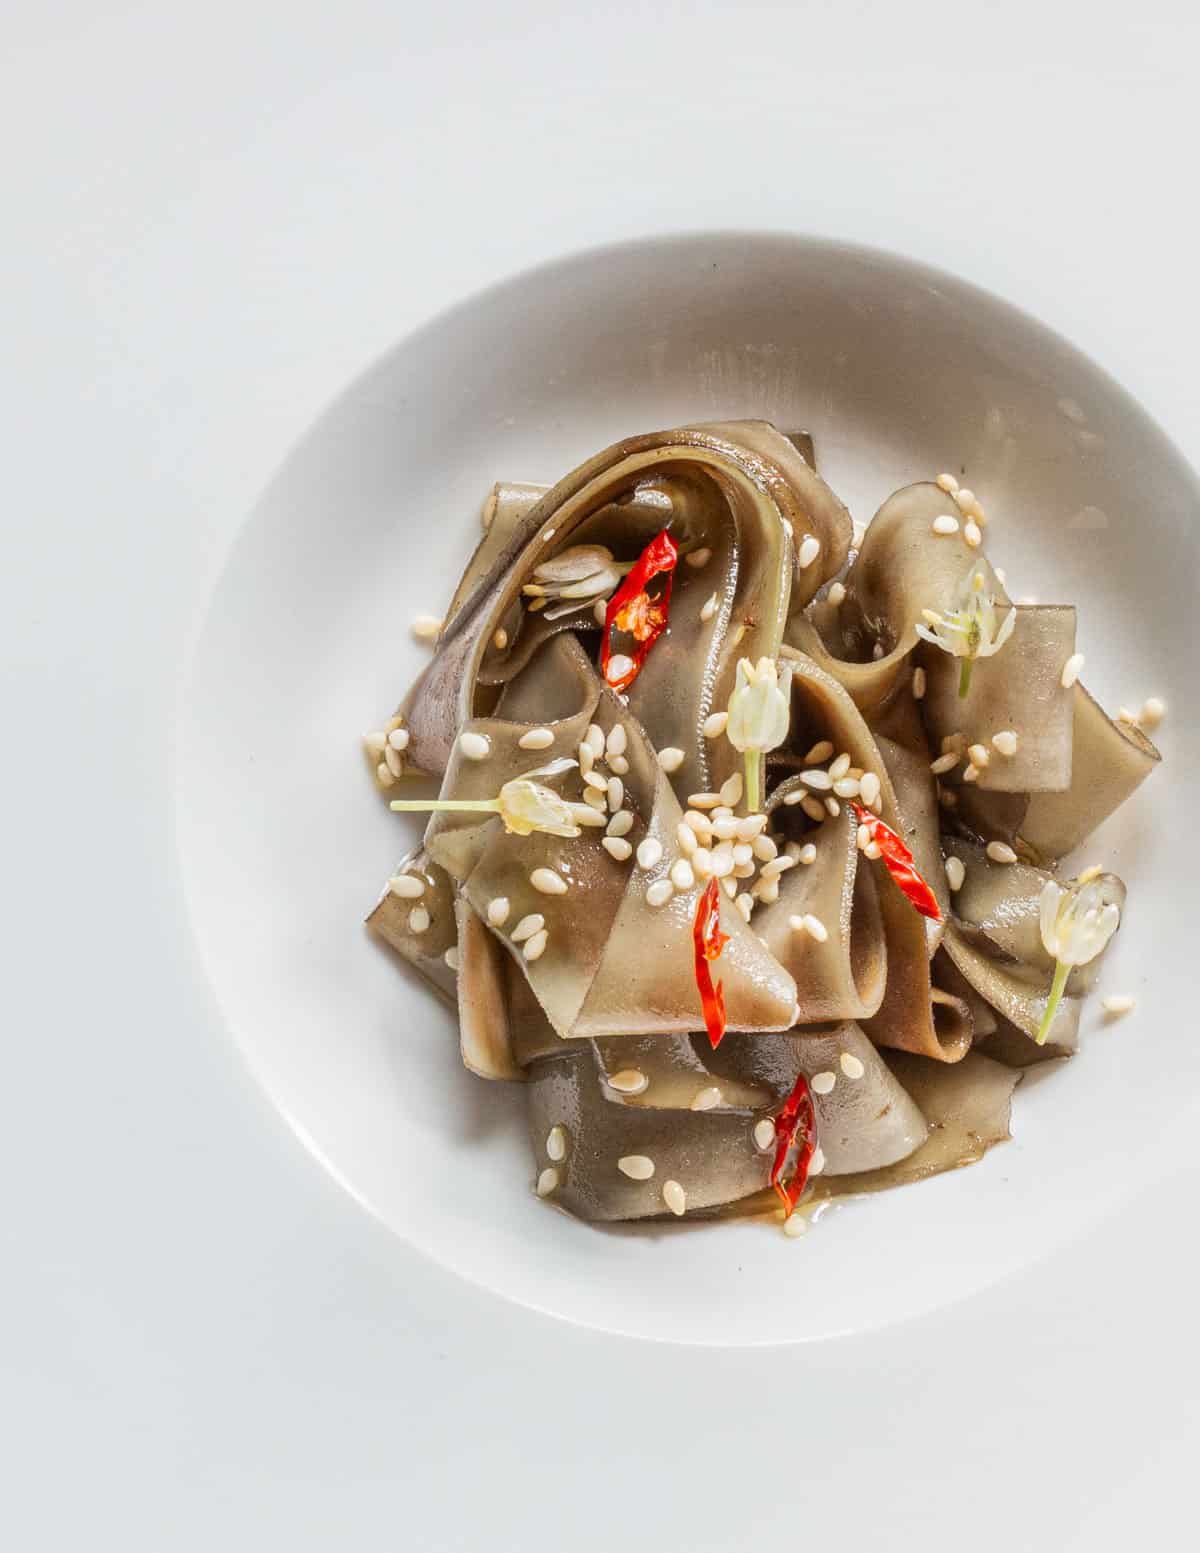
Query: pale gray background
[{"x": 216, "y": 216}]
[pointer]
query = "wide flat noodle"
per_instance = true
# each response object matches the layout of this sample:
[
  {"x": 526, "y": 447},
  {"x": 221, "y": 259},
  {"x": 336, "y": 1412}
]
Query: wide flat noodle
[
  {"x": 613, "y": 964},
  {"x": 748, "y": 460},
  {"x": 907, "y": 1017},
  {"x": 967, "y": 1106},
  {"x": 844, "y": 976},
  {"x": 425, "y": 951}
]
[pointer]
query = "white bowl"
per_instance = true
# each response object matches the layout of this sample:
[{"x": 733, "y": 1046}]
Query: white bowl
[{"x": 898, "y": 371}]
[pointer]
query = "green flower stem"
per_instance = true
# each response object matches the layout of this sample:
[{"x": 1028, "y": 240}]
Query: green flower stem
[
  {"x": 426, "y": 805},
  {"x": 964, "y": 677},
  {"x": 752, "y": 763},
  {"x": 1061, "y": 972}
]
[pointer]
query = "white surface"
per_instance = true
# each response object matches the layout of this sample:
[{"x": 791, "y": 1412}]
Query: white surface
[
  {"x": 217, "y": 217},
  {"x": 897, "y": 371}
]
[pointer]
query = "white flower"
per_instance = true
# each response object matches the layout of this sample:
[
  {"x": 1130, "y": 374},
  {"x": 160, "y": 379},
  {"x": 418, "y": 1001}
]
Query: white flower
[
  {"x": 759, "y": 710},
  {"x": 972, "y": 630},
  {"x": 523, "y": 804},
  {"x": 1077, "y": 921},
  {"x": 580, "y": 575}
]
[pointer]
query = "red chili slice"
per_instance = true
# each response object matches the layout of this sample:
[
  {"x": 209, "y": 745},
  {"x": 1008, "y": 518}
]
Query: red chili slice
[
  {"x": 632, "y": 610},
  {"x": 709, "y": 940},
  {"x": 795, "y": 1129},
  {"x": 899, "y": 862}
]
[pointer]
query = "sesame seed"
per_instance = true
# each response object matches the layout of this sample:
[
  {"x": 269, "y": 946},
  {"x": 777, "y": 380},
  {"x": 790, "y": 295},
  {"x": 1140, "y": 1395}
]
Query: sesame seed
[
  {"x": 822, "y": 1083},
  {"x": 620, "y": 824},
  {"x": 398, "y": 738},
  {"x": 767, "y": 891},
  {"x": 375, "y": 744},
  {"x": 945, "y": 524},
  {"x": 698, "y": 558},
  {"x": 751, "y": 825},
  {"x": 818, "y": 753},
  {"x": 721, "y": 812},
  {"x": 498, "y": 910},
  {"x": 816, "y": 778},
  {"x": 946, "y": 762},
  {"x": 837, "y": 593},
  {"x": 548, "y": 535},
  {"x": 862, "y": 837},
  {"x": 851, "y": 1065},
  {"x": 873, "y": 850},
  {"x": 877, "y": 652},
  {"x": 817, "y": 1163},
  {"x": 764, "y": 1134},
  {"x": 704, "y": 800},
  {"x": 702, "y": 862},
  {"x": 619, "y": 667},
  {"x": 547, "y": 882},
  {"x": 393, "y": 762},
  {"x": 840, "y": 766},
  {"x": 535, "y": 603},
  {"x": 807, "y": 854},
  {"x": 535, "y": 947},
  {"x": 764, "y": 848},
  {"x": 731, "y": 789},
  {"x": 743, "y": 853},
  {"x": 948, "y": 483},
  {"x": 1005, "y": 742},
  {"x": 451, "y": 957},
  {"x": 556, "y": 1144},
  {"x": 585, "y": 814},
  {"x": 815, "y": 928},
  {"x": 1001, "y": 852},
  {"x": 547, "y": 1182},
  {"x": 426, "y": 628},
  {"x": 1118, "y": 1003},
  {"x": 970, "y": 772},
  {"x": 619, "y": 764},
  {"x": 406, "y": 886},
  {"x": 1124, "y": 715},
  {"x": 846, "y": 787},
  {"x": 682, "y": 876},
  {"x": 586, "y": 760},
  {"x": 536, "y": 739},
  {"x": 616, "y": 792},
  {"x": 714, "y": 726},
  {"x": 979, "y": 754},
  {"x": 972, "y": 533},
  {"x": 660, "y": 892},
  {"x": 675, "y": 1198},
  {"x": 1071, "y": 670},
  {"x": 617, "y": 741},
  {"x": 649, "y": 852},
  {"x": 629, "y": 1081},
  {"x": 725, "y": 829},
  {"x": 500, "y": 638},
  {"x": 418, "y": 920},
  {"x": 808, "y": 552},
  {"x": 698, "y": 822},
  {"x": 965, "y": 498},
  {"x": 638, "y": 1167},
  {"x": 955, "y": 872},
  {"x": 709, "y": 608},
  {"x": 918, "y": 684},
  {"x": 528, "y": 926},
  {"x": 868, "y": 786},
  {"x": 686, "y": 837},
  {"x": 617, "y": 847},
  {"x": 600, "y": 611},
  {"x": 777, "y": 866},
  {"x": 1153, "y": 712},
  {"x": 812, "y": 808},
  {"x": 795, "y": 1225},
  {"x": 706, "y": 1099},
  {"x": 475, "y": 746},
  {"x": 744, "y": 904},
  {"x": 594, "y": 739},
  {"x": 598, "y": 783},
  {"x": 670, "y": 759},
  {"x": 722, "y": 860},
  {"x": 833, "y": 807}
]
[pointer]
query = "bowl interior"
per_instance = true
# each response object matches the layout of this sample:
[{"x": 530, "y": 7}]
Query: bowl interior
[{"x": 898, "y": 372}]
